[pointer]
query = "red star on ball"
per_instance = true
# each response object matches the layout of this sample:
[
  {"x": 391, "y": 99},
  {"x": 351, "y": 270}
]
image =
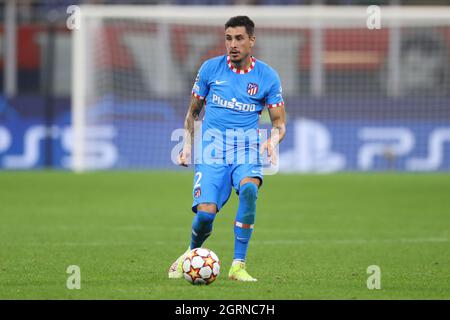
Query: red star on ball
[{"x": 193, "y": 273}]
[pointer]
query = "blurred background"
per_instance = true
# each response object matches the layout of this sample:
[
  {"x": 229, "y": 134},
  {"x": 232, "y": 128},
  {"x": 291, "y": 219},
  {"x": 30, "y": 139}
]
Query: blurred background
[{"x": 357, "y": 99}]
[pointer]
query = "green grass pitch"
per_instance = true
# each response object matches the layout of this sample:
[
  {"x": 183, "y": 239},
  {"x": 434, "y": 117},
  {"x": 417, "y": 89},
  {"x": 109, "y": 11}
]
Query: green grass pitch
[{"x": 315, "y": 236}]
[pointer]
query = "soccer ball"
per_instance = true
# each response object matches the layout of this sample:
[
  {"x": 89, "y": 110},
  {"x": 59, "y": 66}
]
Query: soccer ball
[{"x": 201, "y": 266}]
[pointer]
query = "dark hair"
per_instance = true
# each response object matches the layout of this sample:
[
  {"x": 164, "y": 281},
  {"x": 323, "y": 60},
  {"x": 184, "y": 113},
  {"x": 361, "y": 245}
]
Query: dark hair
[{"x": 241, "y": 21}]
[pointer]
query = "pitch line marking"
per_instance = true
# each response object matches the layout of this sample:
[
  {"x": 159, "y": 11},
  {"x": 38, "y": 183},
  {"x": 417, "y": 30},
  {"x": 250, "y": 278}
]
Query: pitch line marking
[{"x": 254, "y": 242}]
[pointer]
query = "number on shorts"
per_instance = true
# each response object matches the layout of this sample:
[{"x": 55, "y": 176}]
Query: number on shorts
[{"x": 197, "y": 182}]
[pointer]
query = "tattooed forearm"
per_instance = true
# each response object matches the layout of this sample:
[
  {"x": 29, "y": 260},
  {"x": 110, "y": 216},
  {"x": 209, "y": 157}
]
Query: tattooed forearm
[
  {"x": 192, "y": 115},
  {"x": 196, "y": 108},
  {"x": 278, "y": 117}
]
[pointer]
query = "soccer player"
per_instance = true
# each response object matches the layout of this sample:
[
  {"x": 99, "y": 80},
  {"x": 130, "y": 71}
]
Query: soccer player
[{"x": 235, "y": 88}]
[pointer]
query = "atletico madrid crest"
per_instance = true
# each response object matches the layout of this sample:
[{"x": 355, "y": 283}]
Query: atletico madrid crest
[
  {"x": 197, "y": 192},
  {"x": 252, "y": 89}
]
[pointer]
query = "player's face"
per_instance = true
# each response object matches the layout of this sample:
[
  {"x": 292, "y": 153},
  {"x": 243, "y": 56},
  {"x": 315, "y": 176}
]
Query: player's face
[{"x": 238, "y": 44}]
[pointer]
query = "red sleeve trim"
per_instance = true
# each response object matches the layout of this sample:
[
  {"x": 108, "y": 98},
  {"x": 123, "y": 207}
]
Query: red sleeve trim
[
  {"x": 197, "y": 96},
  {"x": 274, "y": 105}
]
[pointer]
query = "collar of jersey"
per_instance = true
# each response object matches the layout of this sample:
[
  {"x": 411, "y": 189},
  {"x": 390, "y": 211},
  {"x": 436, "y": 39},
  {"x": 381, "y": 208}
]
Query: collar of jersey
[{"x": 241, "y": 71}]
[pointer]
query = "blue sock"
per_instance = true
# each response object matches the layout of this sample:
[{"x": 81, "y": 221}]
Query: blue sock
[
  {"x": 201, "y": 228},
  {"x": 245, "y": 218}
]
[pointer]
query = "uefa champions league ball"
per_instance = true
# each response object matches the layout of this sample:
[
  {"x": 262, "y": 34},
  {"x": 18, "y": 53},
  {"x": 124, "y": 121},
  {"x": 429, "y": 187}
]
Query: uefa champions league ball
[{"x": 201, "y": 266}]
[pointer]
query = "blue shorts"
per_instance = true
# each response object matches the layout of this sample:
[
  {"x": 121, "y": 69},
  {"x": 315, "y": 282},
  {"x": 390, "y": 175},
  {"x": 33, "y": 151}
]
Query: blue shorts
[{"x": 213, "y": 182}]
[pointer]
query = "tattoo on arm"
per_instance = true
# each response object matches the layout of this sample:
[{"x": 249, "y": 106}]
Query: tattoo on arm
[
  {"x": 278, "y": 118},
  {"x": 196, "y": 107},
  {"x": 192, "y": 115}
]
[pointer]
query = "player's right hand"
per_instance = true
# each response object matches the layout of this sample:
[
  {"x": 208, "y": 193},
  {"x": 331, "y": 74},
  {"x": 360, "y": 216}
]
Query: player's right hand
[{"x": 184, "y": 157}]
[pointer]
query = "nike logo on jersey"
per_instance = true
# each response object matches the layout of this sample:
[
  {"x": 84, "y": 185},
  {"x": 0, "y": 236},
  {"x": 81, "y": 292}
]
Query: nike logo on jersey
[{"x": 220, "y": 82}]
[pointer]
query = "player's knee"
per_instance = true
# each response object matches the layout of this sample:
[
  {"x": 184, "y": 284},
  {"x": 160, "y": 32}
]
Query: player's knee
[{"x": 207, "y": 207}]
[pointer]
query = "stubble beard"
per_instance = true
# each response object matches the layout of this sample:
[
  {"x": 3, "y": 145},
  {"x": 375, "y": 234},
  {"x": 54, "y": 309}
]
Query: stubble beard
[{"x": 238, "y": 62}]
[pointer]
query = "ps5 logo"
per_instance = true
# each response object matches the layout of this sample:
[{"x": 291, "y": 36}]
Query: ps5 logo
[
  {"x": 373, "y": 147},
  {"x": 100, "y": 151},
  {"x": 391, "y": 143}
]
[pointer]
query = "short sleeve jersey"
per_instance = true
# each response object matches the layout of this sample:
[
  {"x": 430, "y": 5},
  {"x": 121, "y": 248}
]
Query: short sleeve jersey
[{"x": 235, "y": 98}]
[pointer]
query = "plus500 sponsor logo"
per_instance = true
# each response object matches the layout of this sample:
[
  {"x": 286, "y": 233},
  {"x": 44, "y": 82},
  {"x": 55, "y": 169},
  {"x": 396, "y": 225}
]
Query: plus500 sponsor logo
[{"x": 233, "y": 104}]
